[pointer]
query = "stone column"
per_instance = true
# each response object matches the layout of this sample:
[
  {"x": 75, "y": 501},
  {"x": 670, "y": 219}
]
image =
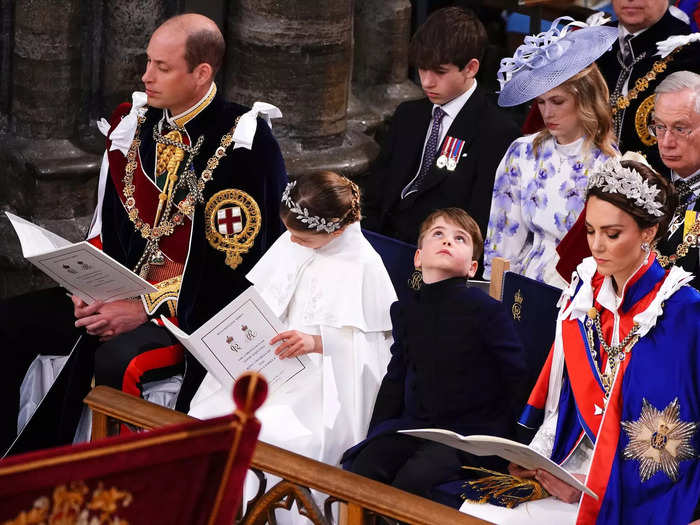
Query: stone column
[
  {"x": 297, "y": 54},
  {"x": 128, "y": 26},
  {"x": 6, "y": 16},
  {"x": 48, "y": 179},
  {"x": 46, "y": 68},
  {"x": 382, "y": 34}
]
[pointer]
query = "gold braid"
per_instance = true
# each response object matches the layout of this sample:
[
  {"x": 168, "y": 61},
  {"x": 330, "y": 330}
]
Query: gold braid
[
  {"x": 642, "y": 84},
  {"x": 354, "y": 212}
]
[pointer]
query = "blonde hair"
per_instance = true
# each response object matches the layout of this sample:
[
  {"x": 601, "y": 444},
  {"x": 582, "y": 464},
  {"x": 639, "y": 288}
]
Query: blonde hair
[{"x": 591, "y": 95}]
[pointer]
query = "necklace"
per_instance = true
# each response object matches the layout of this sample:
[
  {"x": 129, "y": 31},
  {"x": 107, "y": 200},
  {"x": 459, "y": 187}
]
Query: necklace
[
  {"x": 690, "y": 239},
  {"x": 621, "y": 102},
  {"x": 616, "y": 353},
  {"x": 164, "y": 225}
]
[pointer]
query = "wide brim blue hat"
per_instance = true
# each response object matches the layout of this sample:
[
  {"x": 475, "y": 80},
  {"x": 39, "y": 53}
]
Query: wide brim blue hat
[{"x": 549, "y": 59}]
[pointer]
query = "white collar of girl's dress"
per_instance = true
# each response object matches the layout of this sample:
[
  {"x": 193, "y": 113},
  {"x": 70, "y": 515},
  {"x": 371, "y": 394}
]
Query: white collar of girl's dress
[{"x": 582, "y": 301}]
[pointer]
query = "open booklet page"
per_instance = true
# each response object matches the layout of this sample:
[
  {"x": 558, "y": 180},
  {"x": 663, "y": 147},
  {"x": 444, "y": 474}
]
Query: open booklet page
[
  {"x": 238, "y": 339},
  {"x": 80, "y": 268},
  {"x": 505, "y": 448}
]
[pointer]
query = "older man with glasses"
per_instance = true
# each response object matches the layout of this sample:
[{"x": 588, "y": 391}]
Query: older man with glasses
[{"x": 676, "y": 126}]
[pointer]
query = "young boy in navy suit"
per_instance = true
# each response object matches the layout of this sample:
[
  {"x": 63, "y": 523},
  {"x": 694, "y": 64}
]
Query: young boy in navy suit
[
  {"x": 456, "y": 364},
  {"x": 442, "y": 150}
]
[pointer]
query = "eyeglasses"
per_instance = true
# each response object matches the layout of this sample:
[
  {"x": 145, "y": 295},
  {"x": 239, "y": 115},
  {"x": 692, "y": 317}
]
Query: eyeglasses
[{"x": 678, "y": 132}]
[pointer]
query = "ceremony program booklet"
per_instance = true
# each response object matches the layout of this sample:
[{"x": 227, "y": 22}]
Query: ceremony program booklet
[
  {"x": 505, "y": 448},
  {"x": 238, "y": 339},
  {"x": 80, "y": 268}
]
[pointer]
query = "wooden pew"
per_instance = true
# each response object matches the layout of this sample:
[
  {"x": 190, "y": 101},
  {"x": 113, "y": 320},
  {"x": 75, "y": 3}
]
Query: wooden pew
[{"x": 365, "y": 499}]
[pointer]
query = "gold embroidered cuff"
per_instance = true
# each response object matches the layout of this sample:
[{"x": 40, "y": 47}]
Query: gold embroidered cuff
[{"x": 167, "y": 293}]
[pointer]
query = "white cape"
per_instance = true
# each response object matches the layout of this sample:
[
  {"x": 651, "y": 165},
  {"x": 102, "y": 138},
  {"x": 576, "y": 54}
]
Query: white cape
[{"x": 343, "y": 293}]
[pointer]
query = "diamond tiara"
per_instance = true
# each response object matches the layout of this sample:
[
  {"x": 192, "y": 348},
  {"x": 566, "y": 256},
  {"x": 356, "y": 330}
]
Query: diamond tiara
[
  {"x": 313, "y": 222},
  {"x": 613, "y": 177}
]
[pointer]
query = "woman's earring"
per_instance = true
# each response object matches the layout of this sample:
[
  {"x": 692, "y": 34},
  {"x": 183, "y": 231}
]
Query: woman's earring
[
  {"x": 645, "y": 247},
  {"x": 416, "y": 280}
]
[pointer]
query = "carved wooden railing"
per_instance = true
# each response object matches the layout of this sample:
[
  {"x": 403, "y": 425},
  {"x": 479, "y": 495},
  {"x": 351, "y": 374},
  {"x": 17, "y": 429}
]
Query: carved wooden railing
[{"x": 362, "y": 499}]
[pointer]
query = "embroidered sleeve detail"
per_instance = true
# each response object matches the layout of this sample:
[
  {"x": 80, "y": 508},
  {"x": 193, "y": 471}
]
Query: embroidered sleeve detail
[{"x": 167, "y": 294}]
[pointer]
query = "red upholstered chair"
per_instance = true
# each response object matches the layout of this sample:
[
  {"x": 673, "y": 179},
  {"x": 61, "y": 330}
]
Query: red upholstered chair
[{"x": 190, "y": 473}]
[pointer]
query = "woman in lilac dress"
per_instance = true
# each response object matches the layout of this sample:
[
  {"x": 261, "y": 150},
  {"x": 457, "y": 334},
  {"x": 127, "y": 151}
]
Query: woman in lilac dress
[{"x": 540, "y": 183}]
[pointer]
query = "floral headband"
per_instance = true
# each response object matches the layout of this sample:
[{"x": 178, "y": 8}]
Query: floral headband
[
  {"x": 613, "y": 177},
  {"x": 313, "y": 222}
]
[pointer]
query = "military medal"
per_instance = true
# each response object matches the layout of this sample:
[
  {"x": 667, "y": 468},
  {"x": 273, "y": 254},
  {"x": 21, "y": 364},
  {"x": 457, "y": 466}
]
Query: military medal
[
  {"x": 454, "y": 152},
  {"x": 442, "y": 159}
]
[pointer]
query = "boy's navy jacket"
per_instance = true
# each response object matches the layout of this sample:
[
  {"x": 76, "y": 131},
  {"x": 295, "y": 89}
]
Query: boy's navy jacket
[{"x": 457, "y": 363}]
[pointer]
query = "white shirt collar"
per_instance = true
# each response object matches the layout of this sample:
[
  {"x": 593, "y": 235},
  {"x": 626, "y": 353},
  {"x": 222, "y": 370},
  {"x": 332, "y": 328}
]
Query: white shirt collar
[
  {"x": 608, "y": 298},
  {"x": 454, "y": 106},
  {"x": 623, "y": 32},
  {"x": 696, "y": 186},
  {"x": 675, "y": 176}
]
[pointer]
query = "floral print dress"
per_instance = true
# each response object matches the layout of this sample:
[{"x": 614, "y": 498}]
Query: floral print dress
[{"x": 536, "y": 199}]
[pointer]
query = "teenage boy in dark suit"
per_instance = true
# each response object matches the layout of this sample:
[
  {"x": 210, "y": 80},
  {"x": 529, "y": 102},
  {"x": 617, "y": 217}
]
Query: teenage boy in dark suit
[{"x": 443, "y": 150}]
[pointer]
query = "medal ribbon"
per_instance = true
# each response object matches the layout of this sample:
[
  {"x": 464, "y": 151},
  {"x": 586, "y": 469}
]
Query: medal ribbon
[
  {"x": 446, "y": 146},
  {"x": 690, "y": 218},
  {"x": 457, "y": 150}
]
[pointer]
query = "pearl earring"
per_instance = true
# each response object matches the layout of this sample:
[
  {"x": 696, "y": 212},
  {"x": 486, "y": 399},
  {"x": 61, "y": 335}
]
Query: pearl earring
[{"x": 645, "y": 247}]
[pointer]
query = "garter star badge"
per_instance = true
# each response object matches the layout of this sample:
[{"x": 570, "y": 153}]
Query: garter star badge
[
  {"x": 659, "y": 440},
  {"x": 232, "y": 223}
]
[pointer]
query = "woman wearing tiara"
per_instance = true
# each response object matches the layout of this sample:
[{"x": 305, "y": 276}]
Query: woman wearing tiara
[
  {"x": 328, "y": 285},
  {"x": 618, "y": 400},
  {"x": 539, "y": 185}
]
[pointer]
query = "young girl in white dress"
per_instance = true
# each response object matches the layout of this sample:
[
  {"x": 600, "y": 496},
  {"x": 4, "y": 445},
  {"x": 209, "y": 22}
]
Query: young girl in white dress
[{"x": 325, "y": 282}]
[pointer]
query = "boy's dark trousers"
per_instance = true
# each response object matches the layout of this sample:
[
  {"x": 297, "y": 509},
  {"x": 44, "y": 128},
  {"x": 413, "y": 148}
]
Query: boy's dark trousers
[{"x": 416, "y": 465}]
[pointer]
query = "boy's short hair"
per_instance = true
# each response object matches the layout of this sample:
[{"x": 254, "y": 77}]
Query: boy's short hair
[
  {"x": 462, "y": 219},
  {"x": 452, "y": 35}
]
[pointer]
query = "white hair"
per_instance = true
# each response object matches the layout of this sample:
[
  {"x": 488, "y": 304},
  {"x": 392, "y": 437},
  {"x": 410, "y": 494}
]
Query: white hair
[{"x": 680, "y": 81}]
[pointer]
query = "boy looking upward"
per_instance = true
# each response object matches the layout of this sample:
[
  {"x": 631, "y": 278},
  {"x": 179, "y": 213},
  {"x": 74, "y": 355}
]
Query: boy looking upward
[
  {"x": 456, "y": 364},
  {"x": 442, "y": 150}
]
